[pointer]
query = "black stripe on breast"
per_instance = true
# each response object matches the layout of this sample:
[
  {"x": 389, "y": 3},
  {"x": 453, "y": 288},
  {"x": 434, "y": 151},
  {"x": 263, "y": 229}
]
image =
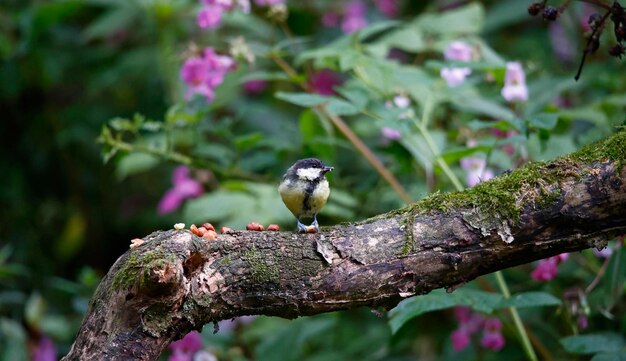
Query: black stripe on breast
[{"x": 306, "y": 206}]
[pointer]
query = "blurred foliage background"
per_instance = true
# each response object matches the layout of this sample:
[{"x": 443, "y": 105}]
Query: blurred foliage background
[{"x": 93, "y": 80}]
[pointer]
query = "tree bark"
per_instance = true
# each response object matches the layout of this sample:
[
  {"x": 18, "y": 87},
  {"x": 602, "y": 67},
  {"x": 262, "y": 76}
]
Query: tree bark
[{"x": 177, "y": 282}]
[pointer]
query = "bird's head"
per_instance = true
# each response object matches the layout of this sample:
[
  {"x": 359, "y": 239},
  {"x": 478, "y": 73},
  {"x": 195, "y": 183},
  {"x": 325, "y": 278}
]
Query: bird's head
[{"x": 310, "y": 169}]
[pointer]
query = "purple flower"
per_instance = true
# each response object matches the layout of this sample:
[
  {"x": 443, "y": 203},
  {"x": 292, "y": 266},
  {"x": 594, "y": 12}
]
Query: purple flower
[
  {"x": 179, "y": 355},
  {"x": 605, "y": 252},
  {"x": 514, "y": 83},
  {"x": 184, "y": 187},
  {"x": 253, "y": 87},
  {"x": 460, "y": 339},
  {"x": 476, "y": 170},
  {"x": 191, "y": 343},
  {"x": 458, "y": 51},
  {"x": 455, "y": 76},
  {"x": 45, "y": 350},
  {"x": 354, "y": 17},
  {"x": 388, "y": 7},
  {"x": 401, "y": 101},
  {"x": 545, "y": 271},
  {"x": 390, "y": 133},
  {"x": 209, "y": 16},
  {"x": 322, "y": 82},
  {"x": 204, "y": 73},
  {"x": 268, "y": 2},
  {"x": 547, "y": 268},
  {"x": 582, "y": 322},
  {"x": 331, "y": 19},
  {"x": 469, "y": 323},
  {"x": 492, "y": 335}
]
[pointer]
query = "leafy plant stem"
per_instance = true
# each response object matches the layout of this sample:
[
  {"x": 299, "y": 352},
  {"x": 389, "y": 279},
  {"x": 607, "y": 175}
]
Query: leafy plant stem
[
  {"x": 367, "y": 153},
  {"x": 504, "y": 289},
  {"x": 444, "y": 166},
  {"x": 169, "y": 155},
  {"x": 352, "y": 137}
]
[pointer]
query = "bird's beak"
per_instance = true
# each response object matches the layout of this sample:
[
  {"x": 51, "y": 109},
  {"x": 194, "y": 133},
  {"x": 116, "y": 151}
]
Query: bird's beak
[{"x": 327, "y": 169}]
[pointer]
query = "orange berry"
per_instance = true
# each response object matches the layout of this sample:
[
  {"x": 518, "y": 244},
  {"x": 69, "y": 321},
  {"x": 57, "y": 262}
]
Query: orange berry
[
  {"x": 253, "y": 226},
  {"x": 273, "y": 227},
  {"x": 208, "y": 226},
  {"x": 194, "y": 230}
]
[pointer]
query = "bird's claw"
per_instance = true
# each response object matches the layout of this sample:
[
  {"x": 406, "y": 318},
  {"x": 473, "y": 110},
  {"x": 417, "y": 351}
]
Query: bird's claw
[
  {"x": 302, "y": 228},
  {"x": 313, "y": 228}
]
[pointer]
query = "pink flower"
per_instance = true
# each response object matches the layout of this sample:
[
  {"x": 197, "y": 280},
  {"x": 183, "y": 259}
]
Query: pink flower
[
  {"x": 252, "y": 87},
  {"x": 605, "y": 252},
  {"x": 469, "y": 323},
  {"x": 547, "y": 268},
  {"x": 514, "y": 83},
  {"x": 388, "y": 7},
  {"x": 492, "y": 335},
  {"x": 268, "y": 2},
  {"x": 460, "y": 339},
  {"x": 458, "y": 51},
  {"x": 455, "y": 76},
  {"x": 390, "y": 133},
  {"x": 354, "y": 17},
  {"x": 476, "y": 170},
  {"x": 204, "y": 73},
  {"x": 331, "y": 19},
  {"x": 209, "y": 17},
  {"x": 545, "y": 271},
  {"x": 323, "y": 82},
  {"x": 401, "y": 101},
  {"x": 191, "y": 343},
  {"x": 582, "y": 322},
  {"x": 179, "y": 355},
  {"x": 45, "y": 350},
  {"x": 184, "y": 188}
]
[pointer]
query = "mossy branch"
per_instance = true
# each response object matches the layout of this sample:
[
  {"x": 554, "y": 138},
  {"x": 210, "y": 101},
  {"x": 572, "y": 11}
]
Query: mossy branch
[{"x": 177, "y": 282}]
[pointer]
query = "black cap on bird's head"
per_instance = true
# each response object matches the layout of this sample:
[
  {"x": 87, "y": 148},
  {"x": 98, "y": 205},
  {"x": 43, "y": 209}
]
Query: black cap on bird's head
[{"x": 311, "y": 163}]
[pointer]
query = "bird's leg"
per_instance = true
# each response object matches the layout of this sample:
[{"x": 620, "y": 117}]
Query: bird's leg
[
  {"x": 315, "y": 224},
  {"x": 301, "y": 227}
]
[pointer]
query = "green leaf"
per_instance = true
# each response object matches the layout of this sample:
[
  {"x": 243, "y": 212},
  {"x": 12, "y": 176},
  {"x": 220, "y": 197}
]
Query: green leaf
[
  {"x": 439, "y": 300},
  {"x": 530, "y": 299},
  {"x": 377, "y": 27},
  {"x": 34, "y": 309},
  {"x": 341, "y": 107},
  {"x": 610, "y": 356},
  {"x": 409, "y": 38},
  {"x": 592, "y": 343},
  {"x": 544, "y": 120},
  {"x": 464, "y": 20},
  {"x": 302, "y": 99},
  {"x": 478, "y": 105},
  {"x": 247, "y": 141},
  {"x": 263, "y": 75},
  {"x": 110, "y": 22},
  {"x": 454, "y": 155},
  {"x": 134, "y": 163}
]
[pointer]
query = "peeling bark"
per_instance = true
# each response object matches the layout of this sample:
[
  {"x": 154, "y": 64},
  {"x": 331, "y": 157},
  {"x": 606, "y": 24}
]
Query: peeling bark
[{"x": 177, "y": 282}]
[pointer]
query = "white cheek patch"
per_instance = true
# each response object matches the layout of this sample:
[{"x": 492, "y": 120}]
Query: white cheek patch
[{"x": 308, "y": 173}]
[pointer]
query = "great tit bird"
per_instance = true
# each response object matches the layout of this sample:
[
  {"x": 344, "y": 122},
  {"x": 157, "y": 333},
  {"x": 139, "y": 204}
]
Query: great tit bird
[{"x": 304, "y": 190}]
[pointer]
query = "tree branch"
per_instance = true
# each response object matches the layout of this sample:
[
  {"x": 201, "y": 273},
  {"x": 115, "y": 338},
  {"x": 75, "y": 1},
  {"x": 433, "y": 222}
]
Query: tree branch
[{"x": 177, "y": 282}]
